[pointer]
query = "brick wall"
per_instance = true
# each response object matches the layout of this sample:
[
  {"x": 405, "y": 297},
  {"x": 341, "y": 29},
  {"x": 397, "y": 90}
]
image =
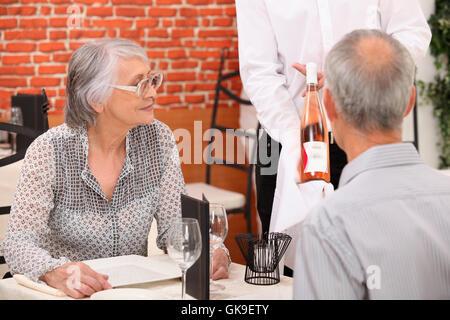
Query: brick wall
[{"x": 183, "y": 39}]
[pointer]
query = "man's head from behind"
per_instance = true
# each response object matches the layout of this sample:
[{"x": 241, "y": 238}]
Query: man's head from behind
[{"x": 369, "y": 85}]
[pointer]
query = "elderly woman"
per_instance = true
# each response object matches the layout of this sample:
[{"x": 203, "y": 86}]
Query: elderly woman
[{"x": 91, "y": 187}]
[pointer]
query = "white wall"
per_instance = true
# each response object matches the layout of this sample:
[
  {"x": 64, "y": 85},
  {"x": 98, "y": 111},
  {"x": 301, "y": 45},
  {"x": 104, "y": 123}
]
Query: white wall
[{"x": 427, "y": 123}]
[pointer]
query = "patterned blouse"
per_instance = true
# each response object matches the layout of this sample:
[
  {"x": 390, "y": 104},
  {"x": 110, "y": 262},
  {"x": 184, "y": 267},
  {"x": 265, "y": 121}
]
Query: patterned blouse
[{"x": 60, "y": 213}]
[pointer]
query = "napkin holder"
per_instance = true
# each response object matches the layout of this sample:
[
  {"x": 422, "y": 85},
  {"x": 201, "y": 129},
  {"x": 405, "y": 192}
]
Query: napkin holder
[{"x": 263, "y": 256}]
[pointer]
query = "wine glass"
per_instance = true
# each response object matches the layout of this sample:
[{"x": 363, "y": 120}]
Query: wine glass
[
  {"x": 218, "y": 229},
  {"x": 184, "y": 246}
]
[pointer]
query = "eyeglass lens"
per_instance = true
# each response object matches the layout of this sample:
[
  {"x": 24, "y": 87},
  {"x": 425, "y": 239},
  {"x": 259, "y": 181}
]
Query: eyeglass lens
[{"x": 154, "y": 82}]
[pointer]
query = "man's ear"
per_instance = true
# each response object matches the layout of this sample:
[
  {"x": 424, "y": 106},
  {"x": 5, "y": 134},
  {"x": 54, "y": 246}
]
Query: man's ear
[
  {"x": 412, "y": 101},
  {"x": 329, "y": 104}
]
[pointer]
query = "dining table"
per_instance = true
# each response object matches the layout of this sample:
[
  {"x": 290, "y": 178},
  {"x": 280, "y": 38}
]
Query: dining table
[{"x": 234, "y": 288}]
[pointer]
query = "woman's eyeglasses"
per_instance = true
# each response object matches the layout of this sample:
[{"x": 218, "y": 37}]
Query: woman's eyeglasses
[{"x": 141, "y": 90}]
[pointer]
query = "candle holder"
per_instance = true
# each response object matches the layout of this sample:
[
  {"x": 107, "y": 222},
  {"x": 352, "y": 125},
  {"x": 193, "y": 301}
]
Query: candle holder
[{"x": 263, "y": 256}]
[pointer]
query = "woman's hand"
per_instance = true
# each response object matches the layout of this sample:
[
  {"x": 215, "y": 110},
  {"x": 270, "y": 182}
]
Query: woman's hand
[
  {"x": 76, "y": 279},
  {"x": 302, "y": 69},
  {"x": 220, "y": 264}
]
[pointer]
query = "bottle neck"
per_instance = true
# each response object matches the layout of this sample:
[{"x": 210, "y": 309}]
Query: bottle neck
[{"x": 311, "y": 87}]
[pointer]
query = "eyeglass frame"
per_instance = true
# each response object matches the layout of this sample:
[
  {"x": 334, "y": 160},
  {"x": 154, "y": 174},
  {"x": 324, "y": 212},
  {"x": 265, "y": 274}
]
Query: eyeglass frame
[{"x": 136, "y": 88}]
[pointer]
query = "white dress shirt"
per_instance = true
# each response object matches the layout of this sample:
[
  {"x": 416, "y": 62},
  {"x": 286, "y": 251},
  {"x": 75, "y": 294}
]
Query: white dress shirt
[{"x": 273, "y": 34}]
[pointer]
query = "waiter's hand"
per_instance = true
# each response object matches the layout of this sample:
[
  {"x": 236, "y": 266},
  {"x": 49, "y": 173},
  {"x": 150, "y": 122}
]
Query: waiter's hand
[{"x": 320, "y": 78}]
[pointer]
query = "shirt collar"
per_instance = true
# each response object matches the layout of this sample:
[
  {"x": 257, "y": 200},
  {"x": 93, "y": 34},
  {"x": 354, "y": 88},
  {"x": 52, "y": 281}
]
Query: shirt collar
[{"x": 382, "y": 156}]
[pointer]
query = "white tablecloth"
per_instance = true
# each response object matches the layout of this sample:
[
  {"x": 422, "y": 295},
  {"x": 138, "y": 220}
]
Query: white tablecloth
[{"x": 235, "y": 288}]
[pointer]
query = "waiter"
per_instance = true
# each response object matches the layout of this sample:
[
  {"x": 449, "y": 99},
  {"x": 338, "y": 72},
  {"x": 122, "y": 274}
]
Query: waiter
[{"x": 276, "y": 39}]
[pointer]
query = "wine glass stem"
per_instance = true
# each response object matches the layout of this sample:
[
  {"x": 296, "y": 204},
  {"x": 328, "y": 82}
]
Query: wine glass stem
[{"x": 183, "y": 284}]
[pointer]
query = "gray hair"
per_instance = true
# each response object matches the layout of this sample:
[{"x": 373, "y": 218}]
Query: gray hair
[
  {"x": 370, "y": 94},
  {"x": 92, "y": 68}
]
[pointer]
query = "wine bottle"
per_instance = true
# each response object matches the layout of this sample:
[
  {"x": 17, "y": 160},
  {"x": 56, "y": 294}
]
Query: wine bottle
[{"x": 315, "y": 155}]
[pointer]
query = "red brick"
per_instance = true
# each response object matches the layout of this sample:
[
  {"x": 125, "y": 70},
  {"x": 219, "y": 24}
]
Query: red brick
[
  {"x": 230, "y": 11},
  {"x": 204, "y": 54},
  {"x": 61, "y": 57},
  {"x": 99, "y": 11},
  {"x": 130, "y": 12},
  {"x": 41, "y": 58},
  {"x": 188, "y": 12},
  {"x": 158, "y": 33},
  {"x": 182, "y": 33},
  {"x": 132, "y": 34},
  {"x": 211, "y": 12},
  {"x": 163, "y": 65},
  {"x": 176, "y": 54},
  {"x": 206, "y": 22},
  {"x": 154, "y": 54},
  {"x": 225, "y": 1},
  {"x": 184, "y": 64},
  {"x": 15, "y": 59},
  {"x": 147, "y": 23},
  {"x": 22, "y": 11},
  {"x": 59, "y": 34},
  {"x": 77, "y": 34},
  {"x": 45, "y": 10},
  {"x": 60, "y": 1},
  {"x": 223, "y": 22},
  {"x": 51, "y": 46},
  {"x": 58, "y": 22},
  {"x": 165, "y": 100},
  {"x": 5, "y": 94},
  {"x": 172, "y": 88},
  {"x": 162, "y": 12},
  {"x": 8, "y": 23},
  {"x": 133, "y": 2},
  {"x": 8, "y": 1},
  {"x": 44, "y": 81},
  {"x": 167, "y": 23},
  {"x": 223, "y": 33},
  {"x": 186, "y": 22},
  {"x": 34, "y": 23},
  {"x": 20, "y": 47},
  {"x": 10, "y": 70},
  {"x": 26, "y": 35},
  {"x": 52, "y": 69},
  {"x": 91, "y": 1},
  {"x": 3, "y": 11},
  {"x": 200, "y": 2},
  {"x": 215, "y": 44},
  {"x": 191, "y": 87},
  {"x": 181, "y": 76},
  {"x": 194, "y": 99},
  {"x": 12, "y": 82},
  {"x": 113, "y": 23},
  {"x": 75, "y": 45},
  {"x": 164, "y": 44},
  {"x": 210, "y": 65},
  {"x": 59, "y": 103},
  {"x": 164, "y": 2}
]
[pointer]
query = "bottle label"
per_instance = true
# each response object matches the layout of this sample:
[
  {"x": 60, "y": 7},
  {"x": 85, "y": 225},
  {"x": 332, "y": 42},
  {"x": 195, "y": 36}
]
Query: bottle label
[{"x": 315, "y": 157}]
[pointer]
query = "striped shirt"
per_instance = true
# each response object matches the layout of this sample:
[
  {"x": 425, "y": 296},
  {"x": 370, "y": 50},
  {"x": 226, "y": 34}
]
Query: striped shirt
[{"x": 384, "y": 234}]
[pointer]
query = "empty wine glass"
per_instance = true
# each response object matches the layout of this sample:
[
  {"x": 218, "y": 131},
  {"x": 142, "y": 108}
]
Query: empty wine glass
[
  {"x": 184, "y": 246},
  {"x": 218, "y": 229}
]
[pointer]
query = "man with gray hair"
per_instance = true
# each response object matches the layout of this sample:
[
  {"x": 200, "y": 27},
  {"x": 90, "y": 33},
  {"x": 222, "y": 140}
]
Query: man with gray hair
[{"x": 385, "y": 233}]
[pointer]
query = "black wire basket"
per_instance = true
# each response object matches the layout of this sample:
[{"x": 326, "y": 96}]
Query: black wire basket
[{"x": 263, "y": 256}]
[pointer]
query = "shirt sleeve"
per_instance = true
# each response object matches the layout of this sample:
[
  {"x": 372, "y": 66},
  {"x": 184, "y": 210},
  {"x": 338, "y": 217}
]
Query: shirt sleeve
[
  {"x": 326, "y": 266},
  {"x": 171, "y": 186},
  {"x": 28, "y": 233},
  {"x": 405, "y": 21},
  {"x": 261, "y": 72}
]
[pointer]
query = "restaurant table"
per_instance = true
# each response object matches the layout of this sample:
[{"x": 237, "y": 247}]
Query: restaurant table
[{"x": 235, "y": 288}]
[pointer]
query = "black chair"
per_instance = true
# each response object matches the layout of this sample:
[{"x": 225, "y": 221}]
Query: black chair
[
  {"x": 234, "y": 202},
  {"x": 20, "y": 154}
]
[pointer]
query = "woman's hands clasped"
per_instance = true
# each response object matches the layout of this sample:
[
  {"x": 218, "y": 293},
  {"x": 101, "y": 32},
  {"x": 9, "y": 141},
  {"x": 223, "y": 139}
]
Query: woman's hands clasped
[{"x": 77, "y": 280}]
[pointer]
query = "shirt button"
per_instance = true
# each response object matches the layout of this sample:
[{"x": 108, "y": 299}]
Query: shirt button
[{"x": 116, "y": 236}]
